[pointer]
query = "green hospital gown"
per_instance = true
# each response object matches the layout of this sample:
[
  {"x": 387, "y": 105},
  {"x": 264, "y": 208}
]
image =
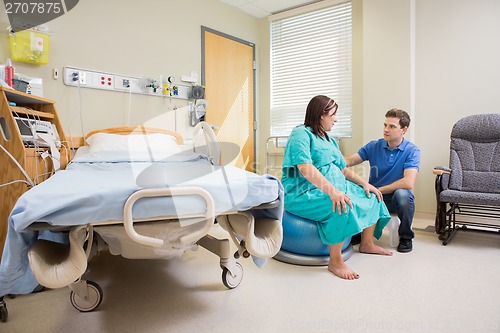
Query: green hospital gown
[{"x": 304, "y": 199}]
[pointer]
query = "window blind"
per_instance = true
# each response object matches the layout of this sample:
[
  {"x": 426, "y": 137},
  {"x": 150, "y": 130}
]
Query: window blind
[{"x": 311, "y": 54}]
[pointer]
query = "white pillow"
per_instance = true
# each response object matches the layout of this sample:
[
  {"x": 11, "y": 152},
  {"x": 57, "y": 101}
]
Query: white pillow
[{"x": 156, "y": 142}]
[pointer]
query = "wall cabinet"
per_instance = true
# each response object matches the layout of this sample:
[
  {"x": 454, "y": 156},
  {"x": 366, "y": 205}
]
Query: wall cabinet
[{"x": 34, "y": 160}]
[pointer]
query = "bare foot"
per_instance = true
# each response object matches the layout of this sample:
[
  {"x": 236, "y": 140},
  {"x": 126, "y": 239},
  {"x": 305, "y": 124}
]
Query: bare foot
[
  {"x": 374, "y": 249},
  {"x": 343, "y": 271}
]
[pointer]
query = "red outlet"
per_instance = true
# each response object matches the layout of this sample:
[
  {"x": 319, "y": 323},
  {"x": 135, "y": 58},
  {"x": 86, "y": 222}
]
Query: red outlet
[{"x": 106, "y": 81}]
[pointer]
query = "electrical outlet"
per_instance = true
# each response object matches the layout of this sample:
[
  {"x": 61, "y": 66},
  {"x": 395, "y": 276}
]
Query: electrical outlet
[
  {"x": 82, "y": 77},
  {"x": 106, "y": 81},
  {"x": 71, "y": 76}
]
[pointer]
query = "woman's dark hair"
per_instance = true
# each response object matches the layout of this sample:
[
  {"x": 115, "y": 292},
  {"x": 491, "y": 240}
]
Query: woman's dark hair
[{"x": 318, "y": 106}]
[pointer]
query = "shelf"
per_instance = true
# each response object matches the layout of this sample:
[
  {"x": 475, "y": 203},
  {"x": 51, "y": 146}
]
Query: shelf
[
  {"x": 19, "y": 97},
  {"x": 26, "y": 161},
  {"x": 31, "y": 112}
]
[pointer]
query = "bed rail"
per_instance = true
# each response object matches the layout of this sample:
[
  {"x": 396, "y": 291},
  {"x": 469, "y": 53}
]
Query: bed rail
[{"x": 128, "y": 220}]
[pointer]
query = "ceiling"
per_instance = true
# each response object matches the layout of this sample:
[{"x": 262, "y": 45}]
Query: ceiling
[{"x": 263, "y": 8}]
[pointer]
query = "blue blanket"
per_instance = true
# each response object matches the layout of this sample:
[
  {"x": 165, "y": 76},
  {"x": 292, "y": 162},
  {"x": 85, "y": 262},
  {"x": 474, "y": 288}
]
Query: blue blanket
[{"x": 93, "y": 190}]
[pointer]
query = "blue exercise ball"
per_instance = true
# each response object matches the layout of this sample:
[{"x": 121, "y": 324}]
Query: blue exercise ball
[{"x": 301, "y": 236}]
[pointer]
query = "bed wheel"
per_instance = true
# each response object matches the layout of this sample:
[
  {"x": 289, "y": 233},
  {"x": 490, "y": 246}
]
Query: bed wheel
[
  {"x": 246, "y": 254},
  {"x": 92, "y": 302},
  {"x": 232, "y": 281},
  {"x": 3, "y": 311}
]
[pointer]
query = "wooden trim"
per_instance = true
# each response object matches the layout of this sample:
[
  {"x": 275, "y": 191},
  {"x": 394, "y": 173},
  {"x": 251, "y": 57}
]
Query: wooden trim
[
  {"x": 440, "y": 172},
  {"x": 31, "y": 113},
  {"x": 137, "y": 130}
]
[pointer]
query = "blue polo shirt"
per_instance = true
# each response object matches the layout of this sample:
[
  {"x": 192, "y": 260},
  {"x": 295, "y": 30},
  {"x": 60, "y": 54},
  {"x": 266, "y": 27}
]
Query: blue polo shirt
[{"x": 387, "y": 166}]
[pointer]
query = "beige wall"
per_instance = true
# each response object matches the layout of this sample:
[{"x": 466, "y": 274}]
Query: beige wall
[
  {"x": 136, "y": 38},
  {"x": 457, "y": 74},
  {"x": 436, "y": 59}
]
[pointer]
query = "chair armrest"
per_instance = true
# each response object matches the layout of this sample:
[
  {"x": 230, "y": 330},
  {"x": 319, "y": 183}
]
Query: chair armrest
[
  {"x": 442, "y": 178},
  {"x": 439, "y": 170}
]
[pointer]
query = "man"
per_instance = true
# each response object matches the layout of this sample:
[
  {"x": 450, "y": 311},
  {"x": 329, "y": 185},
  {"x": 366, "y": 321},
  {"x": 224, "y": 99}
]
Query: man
[{"x": 394, "y": 164}]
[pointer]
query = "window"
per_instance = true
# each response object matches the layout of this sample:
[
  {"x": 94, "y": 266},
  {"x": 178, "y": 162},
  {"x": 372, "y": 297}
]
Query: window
[{"x": 311, "y": 55}]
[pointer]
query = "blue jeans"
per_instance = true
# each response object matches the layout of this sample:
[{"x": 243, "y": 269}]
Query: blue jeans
[{"x": 402, "y": 202}]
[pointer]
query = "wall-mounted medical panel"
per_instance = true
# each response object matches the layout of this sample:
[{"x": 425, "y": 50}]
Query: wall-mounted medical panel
[{"x": 84, "y": 78}]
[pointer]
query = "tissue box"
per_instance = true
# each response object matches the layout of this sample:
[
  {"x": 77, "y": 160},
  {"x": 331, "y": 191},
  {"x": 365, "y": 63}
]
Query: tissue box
[{"x": 20, "y": 85}]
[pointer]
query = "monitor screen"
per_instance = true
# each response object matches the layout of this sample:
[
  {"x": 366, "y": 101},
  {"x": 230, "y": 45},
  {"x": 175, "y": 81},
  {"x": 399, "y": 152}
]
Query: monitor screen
[{"x": 24, "y": 128}]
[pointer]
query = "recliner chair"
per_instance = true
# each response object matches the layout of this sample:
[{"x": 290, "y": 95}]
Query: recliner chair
[{"x": 468, "y": 192}]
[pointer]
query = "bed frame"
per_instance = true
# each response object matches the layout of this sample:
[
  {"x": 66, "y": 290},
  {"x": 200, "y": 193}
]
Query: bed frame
[
  {"x": 79, "y": 141},
  {"x": 49, "y": 260}
]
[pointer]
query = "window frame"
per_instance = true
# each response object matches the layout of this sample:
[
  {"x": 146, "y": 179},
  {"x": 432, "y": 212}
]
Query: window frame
[{"x": 296, "y": 77}]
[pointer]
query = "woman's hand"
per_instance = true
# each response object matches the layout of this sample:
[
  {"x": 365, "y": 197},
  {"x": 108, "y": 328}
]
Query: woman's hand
[
  {"x": 369, "y": 188},
  {"x": 340, "y": 200}
]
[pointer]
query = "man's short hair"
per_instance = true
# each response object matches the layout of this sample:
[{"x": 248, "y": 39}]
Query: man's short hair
[{"x": 404, "y": 118}]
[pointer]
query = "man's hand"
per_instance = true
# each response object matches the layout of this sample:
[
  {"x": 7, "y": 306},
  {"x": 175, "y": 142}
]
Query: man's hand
[{"x": 369, "y": 188}]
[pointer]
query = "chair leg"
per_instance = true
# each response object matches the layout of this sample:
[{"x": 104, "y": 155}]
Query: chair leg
[
  {"x": 448, "y": 228},
  {"x": 440, "y": 222},
  {"x": 451, "y": 234}
]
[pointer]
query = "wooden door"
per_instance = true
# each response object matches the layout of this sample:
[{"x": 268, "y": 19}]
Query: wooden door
[{"x": 228, "y": 76}]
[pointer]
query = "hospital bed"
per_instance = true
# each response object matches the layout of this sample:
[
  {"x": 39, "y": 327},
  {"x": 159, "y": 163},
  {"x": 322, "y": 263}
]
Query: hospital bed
[{"x": 139, "y": 193}]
